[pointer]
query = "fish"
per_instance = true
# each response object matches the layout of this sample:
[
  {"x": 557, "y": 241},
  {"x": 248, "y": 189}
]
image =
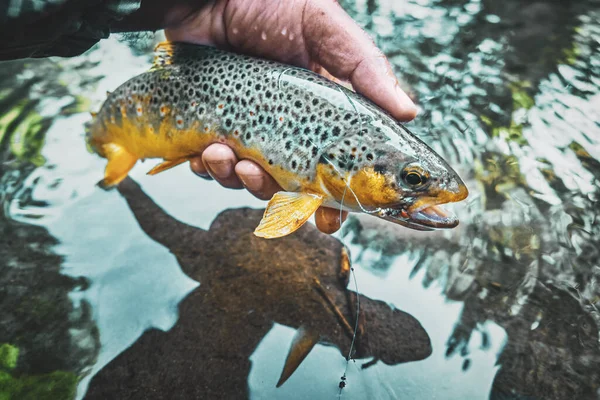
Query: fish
[{"x": 324, "y": 144}]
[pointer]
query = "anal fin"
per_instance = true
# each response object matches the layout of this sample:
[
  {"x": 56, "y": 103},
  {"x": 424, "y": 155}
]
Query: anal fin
[
  {"x": 165, "y": 165},
  {"x": 120, "y": 162},
  {"x": 286, "y": 212},
  {"x": 303, "y": 343}
]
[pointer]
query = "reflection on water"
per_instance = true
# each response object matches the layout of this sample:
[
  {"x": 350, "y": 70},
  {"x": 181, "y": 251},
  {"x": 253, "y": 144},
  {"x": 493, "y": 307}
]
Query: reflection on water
[
  {"x": 130, "y": 293},
  {"x": 298, "y": 282}
]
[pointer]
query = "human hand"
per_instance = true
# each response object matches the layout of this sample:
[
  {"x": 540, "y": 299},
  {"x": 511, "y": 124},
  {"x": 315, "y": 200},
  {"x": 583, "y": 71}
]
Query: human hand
[{"x": 314, "y": 34}]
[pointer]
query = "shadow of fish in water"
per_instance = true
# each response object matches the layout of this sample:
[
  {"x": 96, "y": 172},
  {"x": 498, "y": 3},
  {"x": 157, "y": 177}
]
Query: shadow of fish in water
[{"x": 247, "y": 285}]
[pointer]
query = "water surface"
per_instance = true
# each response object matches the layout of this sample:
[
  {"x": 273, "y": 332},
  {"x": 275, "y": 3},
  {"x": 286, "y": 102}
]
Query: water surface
[{"x": 161, "y": 287}]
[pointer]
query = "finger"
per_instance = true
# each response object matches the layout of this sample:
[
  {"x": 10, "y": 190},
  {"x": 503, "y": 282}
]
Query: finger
[
  {"x": 257, "y": 180},
  {"x": 336, "y": 42},
  {"x": 328, "y": 219},
  {"x": 219, "y": 161},
  {"x": 197, "y": 167}
]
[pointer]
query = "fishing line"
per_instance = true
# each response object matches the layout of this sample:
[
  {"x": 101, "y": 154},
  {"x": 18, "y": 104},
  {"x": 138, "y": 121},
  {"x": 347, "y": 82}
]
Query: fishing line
[{"x": 342, "y": 383}]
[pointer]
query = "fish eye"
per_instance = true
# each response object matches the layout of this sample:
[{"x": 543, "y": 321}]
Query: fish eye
[{"x": 414, "y": 175}]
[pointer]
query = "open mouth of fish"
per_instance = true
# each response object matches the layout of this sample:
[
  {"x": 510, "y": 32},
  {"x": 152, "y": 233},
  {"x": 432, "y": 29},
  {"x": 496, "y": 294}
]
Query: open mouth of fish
[{"x": 424, "y": 218}]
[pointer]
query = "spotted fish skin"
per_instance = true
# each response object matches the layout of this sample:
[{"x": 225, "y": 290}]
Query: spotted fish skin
[{"x": 309, "y": 133}]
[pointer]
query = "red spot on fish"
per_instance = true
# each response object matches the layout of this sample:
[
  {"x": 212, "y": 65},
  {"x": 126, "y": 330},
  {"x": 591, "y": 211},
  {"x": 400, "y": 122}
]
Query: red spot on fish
[
  {"x": 221, "y": 106},
  {"x": 280, "y": 119},
  {"x": 236, "y": 133},
  {"x": 206, "y": 129},
  {"x": 251, "y": 114}
]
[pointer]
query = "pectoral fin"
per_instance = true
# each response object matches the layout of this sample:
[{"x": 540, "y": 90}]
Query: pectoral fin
[
  {"x": 165, "y": 165},
  {"x": 286, "y": 212},
  {"x": 120, "y": 162},
  {"x": 303, "y": 343}
]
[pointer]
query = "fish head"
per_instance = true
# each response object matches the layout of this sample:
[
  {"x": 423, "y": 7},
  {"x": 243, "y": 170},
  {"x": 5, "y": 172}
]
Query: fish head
[
  {"x": 402, "y": 180},
  {"x": 422, "y": 179},
  {"x": 422, "y": 186}
]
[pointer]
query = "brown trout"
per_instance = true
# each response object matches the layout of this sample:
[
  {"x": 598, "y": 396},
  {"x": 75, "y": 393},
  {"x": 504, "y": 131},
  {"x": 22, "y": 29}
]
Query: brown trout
[{"x": 324, "y": 144}]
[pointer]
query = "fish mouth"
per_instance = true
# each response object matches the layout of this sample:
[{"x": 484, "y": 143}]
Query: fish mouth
[{"x": 424, "y": 218}]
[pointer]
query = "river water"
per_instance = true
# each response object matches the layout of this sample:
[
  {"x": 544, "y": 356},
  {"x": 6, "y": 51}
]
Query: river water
[{"x": 159, "y": 290}]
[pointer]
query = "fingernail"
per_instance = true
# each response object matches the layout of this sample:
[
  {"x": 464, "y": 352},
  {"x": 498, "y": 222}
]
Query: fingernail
[
  {"x": 253, "y": 183},
  {"x": 409, "y": 108},
  {"x": 220, "y": 170},
  {"x": 203, "y": 176}
]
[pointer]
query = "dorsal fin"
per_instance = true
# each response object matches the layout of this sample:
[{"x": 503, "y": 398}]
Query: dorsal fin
[
  {"x": 169, "y": 53},
  {"x": 163, "y": 54}
]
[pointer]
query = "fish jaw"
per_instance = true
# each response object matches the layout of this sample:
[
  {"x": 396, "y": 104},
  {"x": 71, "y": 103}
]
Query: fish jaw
[
  {"x": 427, "y": 213},
  {"x": 426, "y": 219}
]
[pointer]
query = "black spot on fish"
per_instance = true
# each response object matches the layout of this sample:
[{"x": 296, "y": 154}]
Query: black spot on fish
[
  {"x": 315, "y": 150},
  {"x": 379, "y": 168},
  {"x": 288, "y": 145},
  {"x": 298, "y": 104},
  {"x": 336, "y": 131},
  {"x": 294, "y": 164},
  {"x": 328, "y": 113}
]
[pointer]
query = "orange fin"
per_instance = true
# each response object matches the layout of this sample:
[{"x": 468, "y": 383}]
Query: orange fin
[
  {"x": 286, "y": 212},
  {"x": 120, "y": 162},
  {"x": 165, "y": 165},
  {"x": 303, "y": 343}
]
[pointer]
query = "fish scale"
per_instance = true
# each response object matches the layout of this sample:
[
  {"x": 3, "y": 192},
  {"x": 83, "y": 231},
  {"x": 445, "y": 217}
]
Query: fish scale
[{"x": 312, "y": 135}]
